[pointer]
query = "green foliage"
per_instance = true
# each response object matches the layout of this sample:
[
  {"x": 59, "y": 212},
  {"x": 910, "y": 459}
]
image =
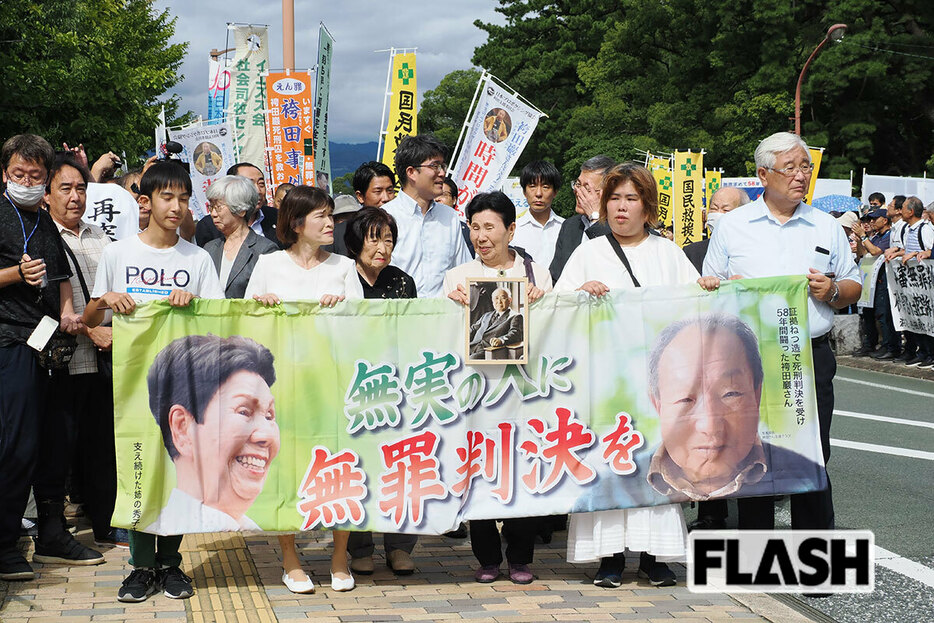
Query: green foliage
[
  {"x": 343, "y": 185},
  {"x": 617, "y": 76},
  {"x": 444, "y": 108},
  {"x": 91, "y": 71}
]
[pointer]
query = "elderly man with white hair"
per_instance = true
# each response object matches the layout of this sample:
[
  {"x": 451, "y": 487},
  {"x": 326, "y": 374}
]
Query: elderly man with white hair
[{"x": 779, "y": 234}]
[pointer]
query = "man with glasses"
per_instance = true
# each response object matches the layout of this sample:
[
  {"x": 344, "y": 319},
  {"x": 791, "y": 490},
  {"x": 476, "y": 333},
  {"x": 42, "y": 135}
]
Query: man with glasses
[
  {"x": 34, "y": 293},
  {"x": 779, "y": 234},
  {"x": 430, "y": 241}
]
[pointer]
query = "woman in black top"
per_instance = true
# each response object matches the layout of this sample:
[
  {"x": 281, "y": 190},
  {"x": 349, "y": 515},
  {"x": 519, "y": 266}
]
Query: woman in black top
[{"x": 370, "y": 237}]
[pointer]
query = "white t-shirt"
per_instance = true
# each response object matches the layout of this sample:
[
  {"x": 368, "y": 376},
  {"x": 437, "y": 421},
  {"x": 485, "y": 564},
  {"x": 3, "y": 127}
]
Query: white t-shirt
[
  {"x": 150, "y": 274},
  {"x": 113, "y": 209},
  {"x": 656, "y": 261},
  {"x": 276, "y": 273}
]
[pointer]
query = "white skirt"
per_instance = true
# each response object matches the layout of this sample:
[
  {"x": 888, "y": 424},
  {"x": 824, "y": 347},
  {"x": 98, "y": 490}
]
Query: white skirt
[{"x": 658, "y": 530}]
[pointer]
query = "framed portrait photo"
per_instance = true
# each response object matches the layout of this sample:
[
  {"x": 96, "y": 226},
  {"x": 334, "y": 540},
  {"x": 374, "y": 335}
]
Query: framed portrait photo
[{"x": 497, "y": 321}]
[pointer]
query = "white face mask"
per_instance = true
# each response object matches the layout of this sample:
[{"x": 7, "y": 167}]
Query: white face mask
[
  {"x": 712, "y": 219},
  {"x": 25, "y": 196}
]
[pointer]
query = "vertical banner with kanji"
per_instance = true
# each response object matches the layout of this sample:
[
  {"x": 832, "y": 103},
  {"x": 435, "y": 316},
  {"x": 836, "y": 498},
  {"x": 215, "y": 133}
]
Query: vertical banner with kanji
[
  {"x": 911, "y": 294},
  {"x": 218, "y": 89},
  {"x": 500, "y": 129},
  {"x": 661, "y": 171},
  {"x": 209, "y": 151},
  {"x": 403, "y": 109},
  {"x": 247, "y": 101},
  {"x": 356, "y": 417},
  {"x": 289, "y": 105},
  {"x": 712, "y": 180},
  {"x": 816, "y": 154},
  {"x": 687, "y": 197},
  {"x": 322, "y": 159}
]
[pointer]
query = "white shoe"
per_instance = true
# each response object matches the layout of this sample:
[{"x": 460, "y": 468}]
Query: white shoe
[
  {"x": 296, "y": 586},
  {"x": 342, "y": 585}
]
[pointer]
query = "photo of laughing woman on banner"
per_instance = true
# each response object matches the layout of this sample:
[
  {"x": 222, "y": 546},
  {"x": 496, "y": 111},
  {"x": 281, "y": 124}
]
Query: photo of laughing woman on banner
[{"x": 211, "y": 398}]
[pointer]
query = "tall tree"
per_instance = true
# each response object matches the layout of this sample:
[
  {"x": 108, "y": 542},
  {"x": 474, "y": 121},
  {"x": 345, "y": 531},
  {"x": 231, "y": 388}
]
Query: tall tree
[
  {"x": 444, "y": 108},
  {"x": 91, "y": 71}
]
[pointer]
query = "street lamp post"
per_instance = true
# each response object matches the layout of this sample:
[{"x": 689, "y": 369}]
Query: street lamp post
[{"x": 834, "y": 33}]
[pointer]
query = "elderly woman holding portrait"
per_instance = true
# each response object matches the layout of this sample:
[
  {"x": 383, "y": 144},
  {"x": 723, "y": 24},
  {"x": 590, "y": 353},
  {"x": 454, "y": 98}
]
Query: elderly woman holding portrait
[
  {"x": 304, "y": 271},
  {"x": 492, "y": 221},
  {"x": 628, "y": 257},
  {"x": 232, "y": 201}
]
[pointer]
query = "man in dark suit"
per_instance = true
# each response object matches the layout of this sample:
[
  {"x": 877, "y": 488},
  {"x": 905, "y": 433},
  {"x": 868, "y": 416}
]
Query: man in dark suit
[
  {"x": 725, "y": 199},
  {"x": 587, "y": 189},
  {"x": 496, "y": 328},
  {"x": 265, "y": 220}
]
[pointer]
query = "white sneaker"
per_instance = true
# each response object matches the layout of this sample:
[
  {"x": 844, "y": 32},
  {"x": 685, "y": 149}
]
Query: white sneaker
[
  {"x": 342, "y": 585},
  {"x": 301, "y": 587}
]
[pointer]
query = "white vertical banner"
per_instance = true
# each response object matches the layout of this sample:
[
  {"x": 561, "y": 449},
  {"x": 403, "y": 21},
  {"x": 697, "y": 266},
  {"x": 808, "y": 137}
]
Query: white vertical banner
[
  {"x": 209, "y": 151},
  {"x": 246, "y": 99},
  {"x": 499, "y": 131}
]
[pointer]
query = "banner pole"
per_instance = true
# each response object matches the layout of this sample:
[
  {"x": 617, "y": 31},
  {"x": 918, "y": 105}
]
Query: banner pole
[
  {"x": 467, "y": 122},
  {"x": 386, "y": 93}
]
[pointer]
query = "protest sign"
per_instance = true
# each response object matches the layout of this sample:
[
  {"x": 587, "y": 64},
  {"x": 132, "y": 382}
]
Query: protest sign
[
  {"x": 290, "y": 124},
  {"x": 501, "y": 126},
  {"x": 711, "y": 185},
  {"x": 218, "y": 89},
  {"x": 662, "y": 173},
  {"x": 322, "y": 96},
  {"x": 687, "y": 197},
  {"x": 364, "y": 416},
  {"x": 513, "y": 189},
  {"x": 247, "y": 101},
  {"x": 817, "y": 153},
  {"x": 911, "y": 294},
  {"x": 209, "y": 152},
  {"x": 869, "y": 268},
  {"x": 113, "y": 209},
  {"x": 403, "y": 109}
]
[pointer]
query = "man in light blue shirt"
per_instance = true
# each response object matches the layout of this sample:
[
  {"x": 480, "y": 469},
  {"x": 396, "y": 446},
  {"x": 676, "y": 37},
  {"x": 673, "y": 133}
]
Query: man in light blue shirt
[
  {"x": 430, "y": 241},
  {"x": 779, "y": 234}
]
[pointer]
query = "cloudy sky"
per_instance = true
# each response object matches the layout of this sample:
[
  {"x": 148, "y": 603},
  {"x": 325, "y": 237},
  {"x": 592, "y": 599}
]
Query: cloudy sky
[{"x": 443, "y": 33}]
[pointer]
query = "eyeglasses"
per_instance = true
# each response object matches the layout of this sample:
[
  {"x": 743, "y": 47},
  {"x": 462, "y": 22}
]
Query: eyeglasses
[
  {"x": 791, "y": 170},
  {"x": 437, "y": 167},
  {"x": 24, "y": 178}
]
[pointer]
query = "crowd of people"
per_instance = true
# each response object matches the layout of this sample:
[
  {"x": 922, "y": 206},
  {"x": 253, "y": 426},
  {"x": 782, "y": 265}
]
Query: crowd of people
[{"x": 60, "y": 272}]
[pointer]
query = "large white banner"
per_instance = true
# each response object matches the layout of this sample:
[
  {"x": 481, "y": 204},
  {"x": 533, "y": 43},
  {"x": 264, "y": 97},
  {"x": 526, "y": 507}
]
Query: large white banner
[
  {"x": 911, "y": 292},
  {"x": 246, "y": 99},
  {"x": 209, "y": 151},
  {"x": 891, "y": 185},
  {"x": 500, "y": 129},
  {"x": 113, "y": 209}
]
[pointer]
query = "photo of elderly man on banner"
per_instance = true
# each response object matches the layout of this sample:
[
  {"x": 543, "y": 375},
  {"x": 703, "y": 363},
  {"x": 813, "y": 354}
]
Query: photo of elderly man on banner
[{"x": 365, "y": 416}]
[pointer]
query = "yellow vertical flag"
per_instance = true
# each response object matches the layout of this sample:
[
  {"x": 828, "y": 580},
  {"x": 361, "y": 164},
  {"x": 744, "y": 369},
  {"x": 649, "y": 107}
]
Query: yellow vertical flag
[
  {"x": 687, "y": 195},
  {"x": 816, "y": 155},
  {"x": 662, "y": 174},
  {"x": 402, "y": 107},
  {"x": 712, "y": 183}
]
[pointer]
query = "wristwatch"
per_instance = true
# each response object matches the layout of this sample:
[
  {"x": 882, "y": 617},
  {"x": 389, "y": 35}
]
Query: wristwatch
[{"x": 835, "y": 295}]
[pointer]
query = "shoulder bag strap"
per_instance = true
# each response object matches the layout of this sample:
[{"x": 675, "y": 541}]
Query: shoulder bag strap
[
  {"x": 74, "y": 260},
  {"x": 623, "y": 259}
]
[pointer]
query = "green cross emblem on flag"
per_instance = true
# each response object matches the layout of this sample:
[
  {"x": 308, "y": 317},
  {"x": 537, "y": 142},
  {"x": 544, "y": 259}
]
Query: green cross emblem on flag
[
  {"x": 405, "y": 74},
  {"x": 712, "y": 185},
  {"x": 688, "y": 167},
  {"x": 665, "y": 182}
]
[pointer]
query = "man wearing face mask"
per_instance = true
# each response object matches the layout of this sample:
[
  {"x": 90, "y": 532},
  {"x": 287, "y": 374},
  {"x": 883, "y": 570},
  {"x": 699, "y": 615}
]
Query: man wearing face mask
[
  {"x": 725, "y": 199},
  {"x": 33, "y": 285}
]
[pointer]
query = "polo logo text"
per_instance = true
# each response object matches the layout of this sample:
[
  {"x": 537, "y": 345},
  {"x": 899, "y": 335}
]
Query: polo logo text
[
  {"x": 157, "y": 277},
  {"x": 781, "y": 561}
]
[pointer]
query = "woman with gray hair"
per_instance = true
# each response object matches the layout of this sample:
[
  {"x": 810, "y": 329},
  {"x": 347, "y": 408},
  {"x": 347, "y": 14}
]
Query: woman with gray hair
[{"x": 233, "y": 201}]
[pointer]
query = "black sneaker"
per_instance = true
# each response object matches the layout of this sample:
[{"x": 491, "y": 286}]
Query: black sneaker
[
  {"x": 862, "y": 352},
  {"x": 927, "y": 363},
  {"x": 13, "y": 566},
  {"x": 657, "y": 573},
  {"x": 175, "y": 584},
  {"x": 610, "y": 573},
  {"x": 65, "y": 550},
  {"x": 138, "y": 586},
  {"x": 116, "y": 537},
  {"x": 914, "y": 361},
  {"x": 885, "y": 356}
]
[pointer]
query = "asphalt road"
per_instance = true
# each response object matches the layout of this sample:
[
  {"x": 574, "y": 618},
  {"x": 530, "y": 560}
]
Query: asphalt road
[{"x": 882, "y": 472}]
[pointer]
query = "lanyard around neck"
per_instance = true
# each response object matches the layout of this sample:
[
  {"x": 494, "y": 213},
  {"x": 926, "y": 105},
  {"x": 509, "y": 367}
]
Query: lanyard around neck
[{"x": 22, "y": 224}]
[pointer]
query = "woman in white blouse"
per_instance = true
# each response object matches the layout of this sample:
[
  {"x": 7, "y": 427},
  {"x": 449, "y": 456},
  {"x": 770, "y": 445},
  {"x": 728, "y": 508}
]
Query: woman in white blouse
[
  {"x": 629, "y": 205},
  {"x": 304, "y": 271}
]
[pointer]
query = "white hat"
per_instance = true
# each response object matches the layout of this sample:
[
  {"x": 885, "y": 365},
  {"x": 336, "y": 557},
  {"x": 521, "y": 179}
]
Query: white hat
[
  {"x": 848, "y": 219},
  {"x": 345, "y": 204}
]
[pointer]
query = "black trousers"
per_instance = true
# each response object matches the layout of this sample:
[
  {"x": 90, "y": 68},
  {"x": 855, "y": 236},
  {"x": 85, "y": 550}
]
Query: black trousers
[
  {"x": 870, "y": 334},
  {"x": 90, "y": 409},
  {"x": 520, "y": 540},
  {"x": 24, "y": 387},
  {"x": 814, "y": 510}
]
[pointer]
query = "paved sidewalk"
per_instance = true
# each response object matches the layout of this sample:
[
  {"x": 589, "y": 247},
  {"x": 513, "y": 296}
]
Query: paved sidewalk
[{"x": 237, "y": 579}]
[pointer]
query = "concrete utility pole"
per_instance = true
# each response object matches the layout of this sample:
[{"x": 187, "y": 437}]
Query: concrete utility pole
[{"x": 288, "y": 34}]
